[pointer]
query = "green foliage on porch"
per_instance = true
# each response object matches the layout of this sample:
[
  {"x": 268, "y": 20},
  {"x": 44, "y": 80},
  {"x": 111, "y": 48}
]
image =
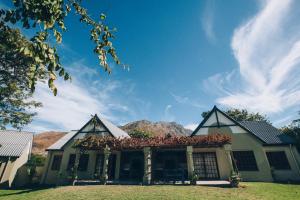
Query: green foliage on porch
[
  {"x": 263, "y": 191},
  {"x": 95, "y": 142}
]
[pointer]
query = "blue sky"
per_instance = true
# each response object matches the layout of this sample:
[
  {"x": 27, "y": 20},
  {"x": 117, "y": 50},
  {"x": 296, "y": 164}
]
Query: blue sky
[{"x": 184, "y": 57}]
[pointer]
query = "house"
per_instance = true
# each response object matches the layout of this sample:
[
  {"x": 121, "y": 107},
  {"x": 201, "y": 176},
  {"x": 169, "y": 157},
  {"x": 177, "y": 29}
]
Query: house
[
  {"x": 258, "y": 151},
  {"x": 15, "y": 150}
]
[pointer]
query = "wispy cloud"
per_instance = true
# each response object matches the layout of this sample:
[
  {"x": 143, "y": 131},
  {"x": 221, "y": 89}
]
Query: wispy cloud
[
  {"x": 168, "y": 116},
  {"x": 207, "y": 20},
  {"x": 186, "y": 100},
  {"x": 267, "y": 49},
  {"x": 87, "y": 94}
]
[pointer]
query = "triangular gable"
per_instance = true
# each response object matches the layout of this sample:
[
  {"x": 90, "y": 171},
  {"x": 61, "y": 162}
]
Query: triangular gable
[
  {"x": 218, "y": 119},
  {"x": 97, "y": 126},
  {"x": 93, "y": 126}
]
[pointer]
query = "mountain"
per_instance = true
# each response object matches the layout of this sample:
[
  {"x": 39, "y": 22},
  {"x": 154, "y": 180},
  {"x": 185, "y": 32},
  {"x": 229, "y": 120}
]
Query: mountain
[
  {"x": 157, "y": 128},
  {"x": 43, "y": 140}
]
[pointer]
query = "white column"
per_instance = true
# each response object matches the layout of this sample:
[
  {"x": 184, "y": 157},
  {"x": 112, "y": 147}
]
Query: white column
[
  {"x": 147, "y": 165},
  {"x": 190, "y": 162},
  {"x": 227, "y": 148},
  {"x": 105, "y": 164}
]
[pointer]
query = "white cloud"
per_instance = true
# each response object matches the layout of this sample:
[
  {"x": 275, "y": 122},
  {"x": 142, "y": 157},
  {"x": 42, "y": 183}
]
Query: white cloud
[
  {"x": 191, "y": 126},
  {"x": 186, "y": 100},
  {"x": 267, "y": 48},
  {"x": 88, "y": 93},
  {"x": 208, "y": 21},
  {"x": 168, "y": 116}
]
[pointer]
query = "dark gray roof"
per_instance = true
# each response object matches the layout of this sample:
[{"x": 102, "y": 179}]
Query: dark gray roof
[
  {"x": 267, "y": 133},
  {"x": 13, "y": 143}
]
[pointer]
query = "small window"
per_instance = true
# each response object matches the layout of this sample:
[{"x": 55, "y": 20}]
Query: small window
[
  {"x": 245, "y": 160},
  {"x": 278, "y": 160},
  {"x": 71, "y": 162},
  {"x": 56, "y": 162},
  {"x": 83, "y": 162}
]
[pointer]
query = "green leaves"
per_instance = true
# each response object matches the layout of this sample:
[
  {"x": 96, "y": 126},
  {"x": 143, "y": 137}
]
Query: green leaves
[
  {"x": 102, "y": 16},
  {"x": 36, "y": 59},
  {"x": 57, "y": 35}
]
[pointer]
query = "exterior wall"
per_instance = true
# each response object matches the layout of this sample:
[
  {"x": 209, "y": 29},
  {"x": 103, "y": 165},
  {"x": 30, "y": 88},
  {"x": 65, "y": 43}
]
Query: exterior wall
[
  {"x": 244, "y": 141},
  {"x": 222, "y": 160},
  {"x": 63, "y": 176},
  {"x": 292, "y": 174},
  {"x": 50, "y": 176}
]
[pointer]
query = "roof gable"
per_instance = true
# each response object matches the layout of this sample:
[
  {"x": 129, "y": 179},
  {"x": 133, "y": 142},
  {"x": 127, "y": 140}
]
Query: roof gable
[
  {"x": 94, "y": 126},
  {"x": 261, "y": 130},
  {"x": 217, "y": 119}
]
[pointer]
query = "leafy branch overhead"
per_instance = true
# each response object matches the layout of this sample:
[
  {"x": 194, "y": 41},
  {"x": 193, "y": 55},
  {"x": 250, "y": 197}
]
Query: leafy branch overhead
[
  {"x": 50, "y": 15},
  {"x": 25, "y": 61}
]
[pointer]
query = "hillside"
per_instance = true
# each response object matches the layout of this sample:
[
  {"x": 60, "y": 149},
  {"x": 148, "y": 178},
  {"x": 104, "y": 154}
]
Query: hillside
[
  {"x": 43, "y": 140},
  {"x": 157, "y": 128}
]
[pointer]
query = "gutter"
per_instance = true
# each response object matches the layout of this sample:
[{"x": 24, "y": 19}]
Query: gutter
[{"x": 294, "y": 158}]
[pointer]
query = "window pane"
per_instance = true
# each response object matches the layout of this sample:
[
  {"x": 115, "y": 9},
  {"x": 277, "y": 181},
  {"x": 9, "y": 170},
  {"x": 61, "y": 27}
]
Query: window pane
[
  {"x": 99, "y": 165},
  {"x": 56, "y": 162},
  {"x": 83, "y": 162},
  {"x": 71, "y": 162},
  {"x": 278, "y": 160},
  {"x": 245, "y": 160}
]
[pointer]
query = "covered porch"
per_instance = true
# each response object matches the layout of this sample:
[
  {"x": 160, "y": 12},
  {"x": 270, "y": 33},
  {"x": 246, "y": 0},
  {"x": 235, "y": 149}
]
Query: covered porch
[{"x": 163, "y": 164}]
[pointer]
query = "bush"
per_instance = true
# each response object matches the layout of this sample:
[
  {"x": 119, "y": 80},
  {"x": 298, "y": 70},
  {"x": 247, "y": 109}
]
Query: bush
[
  {"x": 136, "y": 133},
  {"x": 234, "y": 179}
]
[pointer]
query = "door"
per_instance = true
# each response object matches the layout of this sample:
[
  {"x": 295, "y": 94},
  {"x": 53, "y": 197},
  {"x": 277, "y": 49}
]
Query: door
[
  {"x": 206, "y": 166},
  {"x": 111, "y": 167}
]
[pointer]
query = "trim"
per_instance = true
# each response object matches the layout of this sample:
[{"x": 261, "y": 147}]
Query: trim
[
  {"x": 294, "y": 159},
  {"x": 4, "y": 169},
  {"x": 217, "y": 119},
  {"x": 221, "y": 125},
  {"x": 279, "y": 144}
]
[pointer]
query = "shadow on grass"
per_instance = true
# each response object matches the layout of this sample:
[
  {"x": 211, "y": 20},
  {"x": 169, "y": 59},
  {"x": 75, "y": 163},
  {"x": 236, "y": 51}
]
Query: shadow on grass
[{"x": 24, "y": 190}]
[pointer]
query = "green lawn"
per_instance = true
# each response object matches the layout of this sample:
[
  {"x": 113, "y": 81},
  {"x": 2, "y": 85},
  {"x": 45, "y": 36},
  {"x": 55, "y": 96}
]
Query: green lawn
[{"x": 247, "y": 191}]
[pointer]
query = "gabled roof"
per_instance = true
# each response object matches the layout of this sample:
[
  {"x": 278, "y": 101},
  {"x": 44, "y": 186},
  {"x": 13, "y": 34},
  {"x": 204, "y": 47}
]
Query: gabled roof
[
  {"x": 110, "y": 128},
  {"x": 62, "y": 141},
  {"x": 268, "y": 133},
  {"x": 13, "y": 143},
  {"x": 263, "y": 131}
]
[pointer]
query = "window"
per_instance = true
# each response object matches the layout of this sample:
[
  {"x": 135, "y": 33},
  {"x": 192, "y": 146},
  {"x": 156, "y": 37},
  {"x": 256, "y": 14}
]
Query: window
[
  {"x": 83, "y": 162},
  {"x": 278, "y": 160},
  {"x": 71, "y": 162},
  {"x": 245, "y": 160},
  {"x": 56, "y": 162},
  {"x": 98, "y": 165}
]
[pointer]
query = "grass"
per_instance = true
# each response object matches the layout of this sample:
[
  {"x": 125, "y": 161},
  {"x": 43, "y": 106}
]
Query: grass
[{"x": 253, "y": 191}]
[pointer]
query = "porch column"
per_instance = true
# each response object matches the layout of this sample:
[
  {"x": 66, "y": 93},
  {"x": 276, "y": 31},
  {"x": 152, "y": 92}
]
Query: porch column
[
  {"x": 76, "y": 164},
  {"x": 227, "y": 148},
  {"x": 190, "y": 162},
  {"x": 147, "y": 165},
  {"x": 105, "y": 164},
  {"x": 118, "y": 162}
]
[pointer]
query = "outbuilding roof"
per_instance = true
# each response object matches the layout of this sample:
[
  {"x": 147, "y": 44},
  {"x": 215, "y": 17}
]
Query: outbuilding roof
[
  {"x": 13, "y": 143},
  {"x": 267, "y": 133}
]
